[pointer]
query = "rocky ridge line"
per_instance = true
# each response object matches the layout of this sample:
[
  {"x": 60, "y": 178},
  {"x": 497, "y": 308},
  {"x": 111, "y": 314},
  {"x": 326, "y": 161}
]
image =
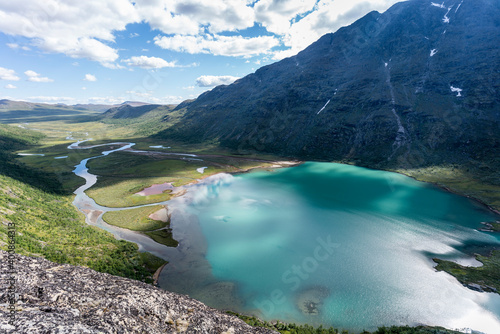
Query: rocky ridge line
[{"x": 54, "y": 298}]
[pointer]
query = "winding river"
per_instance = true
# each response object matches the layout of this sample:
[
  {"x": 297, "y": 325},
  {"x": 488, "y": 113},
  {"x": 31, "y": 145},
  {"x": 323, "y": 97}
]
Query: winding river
[{"x": 320, "y": 243}]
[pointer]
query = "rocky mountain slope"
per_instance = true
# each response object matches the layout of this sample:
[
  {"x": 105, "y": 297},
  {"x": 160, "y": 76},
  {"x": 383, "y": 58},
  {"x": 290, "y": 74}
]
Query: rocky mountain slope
[
  {"x": 417, "y": 85},
  {"x": 57, "y": 298}
]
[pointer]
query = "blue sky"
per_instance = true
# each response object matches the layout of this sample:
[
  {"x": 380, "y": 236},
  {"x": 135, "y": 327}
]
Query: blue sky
[{"x": 157, "y": 51}]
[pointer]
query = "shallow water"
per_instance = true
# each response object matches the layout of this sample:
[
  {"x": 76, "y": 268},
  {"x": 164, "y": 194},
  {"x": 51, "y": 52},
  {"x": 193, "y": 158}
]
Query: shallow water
[
  {"x": 156, "y": 189},
  {"x": 331, "y": 244}
]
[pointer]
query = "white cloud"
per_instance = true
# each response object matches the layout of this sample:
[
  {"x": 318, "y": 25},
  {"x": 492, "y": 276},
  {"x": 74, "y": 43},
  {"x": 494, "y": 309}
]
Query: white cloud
[
  {"x": 35, "y": 77},
  {"x": 169, "y": 99},
  {"x": 106, "y": 100},
  {"x": 148, "y": 62},
  {"x": 83, "y": 47},
  {"x": 90, "y": 77},
  {"x": 6, "y": 74},
  {"x": 212, "y": 80},
  {"x": 16, "y": 46},
  {"x": 295, "y": 24},
  {"x": 328, "y": 16},
  {"x": 52, "y": 99},
  {"x": 218, "y": 45},
  {"x": 276, "y": 15},
  {"x": 191, "y": 17},
  {"x": 10, "y": 86},
  {"x": 113, "y": 66},
  {"x": 78, "y": 29},
  {"x": 86, "y": 29},
  {"x": 139, "y": 94}
]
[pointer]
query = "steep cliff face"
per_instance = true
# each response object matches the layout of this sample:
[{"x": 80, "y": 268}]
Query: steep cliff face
[
  {"x": 413, "y": 86},
  {"x": 55, "y": 298}
]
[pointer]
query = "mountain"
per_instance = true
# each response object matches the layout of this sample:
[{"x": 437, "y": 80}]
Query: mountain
[
  {"x": 94, "y": 107},
  {"x": 135, "y": 103},
  {"x": 22, "y": 112},
  {"x": 414, "y": 86},
  {"x": 22, "y": 105},
  {"x": 126, "y": 110},
  {"x": 144, "y": 119}
]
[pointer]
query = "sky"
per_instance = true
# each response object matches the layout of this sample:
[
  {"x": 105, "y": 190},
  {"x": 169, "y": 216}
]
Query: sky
[{"x": 155, "y": 51}]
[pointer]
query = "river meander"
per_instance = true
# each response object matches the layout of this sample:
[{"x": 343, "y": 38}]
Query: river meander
[{"x": 323, "y": 243}]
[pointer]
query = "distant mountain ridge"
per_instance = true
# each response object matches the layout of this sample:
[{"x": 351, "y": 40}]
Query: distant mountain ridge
[
  {"x": 416, "y": 85},
  {"x": 23, "y": 105},
  {"x": 126, "y": 110}
]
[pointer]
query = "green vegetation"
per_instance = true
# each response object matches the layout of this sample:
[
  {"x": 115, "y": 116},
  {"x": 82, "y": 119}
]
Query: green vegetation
[
  {"x": 13, "y": 139},
  {"x": 138, "y": 220},
  {"x": 135, "y": 219},
  {"x": 122, "y": 175},
  {"x": 487, "y": 276},
  {"x": 164, "y": 237},
  {"x": 477, "y": 181},
  {"x": 126, "y": 165},
  {"x": 145, "y": 120},
  {"x": 48, "y": 225},
  {"x": 307, "y": 329},
  {"x": 492, "y": 227},
  {"x": 18, "y": 112},
  {"x": 116, "y": 192}
]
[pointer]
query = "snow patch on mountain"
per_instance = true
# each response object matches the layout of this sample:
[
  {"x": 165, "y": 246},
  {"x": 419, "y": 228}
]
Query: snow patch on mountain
[
  {"x": 323, "y": 107},
  {"x": 456, "y": 90},
  {"x": 446, "y": 19},
  {"x": 438, "y": 5}
]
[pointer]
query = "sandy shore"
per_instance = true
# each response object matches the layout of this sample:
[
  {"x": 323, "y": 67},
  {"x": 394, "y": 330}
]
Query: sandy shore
[
  {"x": 157, "y": 273},
  {"x": 92, "y": 215}
]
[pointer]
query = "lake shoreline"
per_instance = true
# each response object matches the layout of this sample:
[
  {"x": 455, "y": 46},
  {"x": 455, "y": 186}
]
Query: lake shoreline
[
  {"x": 295, "y": 163},
  {"x": 449, "y": 190}
]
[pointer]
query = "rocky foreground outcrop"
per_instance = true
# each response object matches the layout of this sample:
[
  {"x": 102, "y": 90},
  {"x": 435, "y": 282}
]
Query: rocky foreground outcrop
[{"x": 54, "y": 298}]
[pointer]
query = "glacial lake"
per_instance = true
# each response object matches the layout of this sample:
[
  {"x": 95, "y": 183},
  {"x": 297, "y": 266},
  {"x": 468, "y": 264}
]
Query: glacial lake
[{"x": 330, "y": 244}]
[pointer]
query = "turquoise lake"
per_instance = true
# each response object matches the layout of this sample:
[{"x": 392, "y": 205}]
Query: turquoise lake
[{"x": 330, "y": 244}]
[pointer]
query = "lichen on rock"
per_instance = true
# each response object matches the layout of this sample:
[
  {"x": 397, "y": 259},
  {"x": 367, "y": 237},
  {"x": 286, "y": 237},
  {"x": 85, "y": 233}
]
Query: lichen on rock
[{"x": 54, "y": 298}]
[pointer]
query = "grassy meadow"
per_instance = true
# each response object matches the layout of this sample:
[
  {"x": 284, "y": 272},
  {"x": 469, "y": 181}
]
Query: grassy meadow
[
  {"x": 473, "y": 181},
  {"x": 486, "y": 276}
]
